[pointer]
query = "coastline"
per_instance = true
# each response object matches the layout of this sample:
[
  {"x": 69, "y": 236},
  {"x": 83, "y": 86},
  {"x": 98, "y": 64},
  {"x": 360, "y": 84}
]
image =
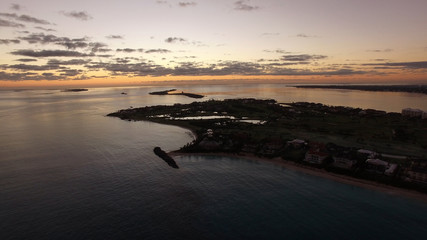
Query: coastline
[{"x": 321, "y": 173}]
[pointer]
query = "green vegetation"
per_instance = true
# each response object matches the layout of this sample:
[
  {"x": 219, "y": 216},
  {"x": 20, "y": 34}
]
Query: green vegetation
[{"x": 351, "y": 127}]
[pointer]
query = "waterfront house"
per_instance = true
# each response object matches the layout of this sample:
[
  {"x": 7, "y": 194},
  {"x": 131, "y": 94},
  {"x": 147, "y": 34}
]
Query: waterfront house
[
  {"x": 416, "y": 172},
  {"x": 381, "y": 167},
  {"x": 344, "y": 159},
  {"x": 316, "y": 154}
]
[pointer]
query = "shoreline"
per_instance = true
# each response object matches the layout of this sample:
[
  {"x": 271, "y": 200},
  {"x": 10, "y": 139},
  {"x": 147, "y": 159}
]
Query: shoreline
[{"x": 323, "y": 174}]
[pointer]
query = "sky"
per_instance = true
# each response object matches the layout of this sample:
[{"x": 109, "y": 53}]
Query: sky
[{"x": 132, "y": 42}]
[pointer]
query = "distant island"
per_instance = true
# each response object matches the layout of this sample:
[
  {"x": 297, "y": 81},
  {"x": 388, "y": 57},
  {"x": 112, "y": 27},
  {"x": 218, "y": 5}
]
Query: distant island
[
  {"x": 378, "y": 88},
  {"x": 168, "y": 92},
  {"x": 368, "y": 144},
  {"x": 75, "y": 90}
]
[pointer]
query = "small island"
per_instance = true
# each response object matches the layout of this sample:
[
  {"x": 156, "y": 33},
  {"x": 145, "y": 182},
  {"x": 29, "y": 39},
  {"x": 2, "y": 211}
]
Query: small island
[
  {"x": 363, "y": 144},
  {"x": 170, "y": 92},
  {"x": 75, "y": 90}
]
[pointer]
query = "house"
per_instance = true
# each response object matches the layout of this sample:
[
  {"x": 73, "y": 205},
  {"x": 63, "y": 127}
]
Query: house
[
  {"x": 381, "y": 167},
  {"x": 317, "y": 154},
  {"x": 367, "y": 153},
  {"x": 272, "y": 148},
  {"x": 296, "y": 143},
  {"x": 416, "y": 172},
  {"x": 410, "y": 112},
  {"x": 345, "y": 159}
]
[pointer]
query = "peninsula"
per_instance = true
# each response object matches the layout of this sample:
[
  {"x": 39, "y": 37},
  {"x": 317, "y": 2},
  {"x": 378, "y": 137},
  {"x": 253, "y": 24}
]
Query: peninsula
[{"x": 366, "y": 144}]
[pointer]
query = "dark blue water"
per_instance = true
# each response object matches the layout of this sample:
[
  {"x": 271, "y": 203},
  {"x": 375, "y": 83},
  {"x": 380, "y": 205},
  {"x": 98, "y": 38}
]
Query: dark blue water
[{"x": 69, "y": 172}]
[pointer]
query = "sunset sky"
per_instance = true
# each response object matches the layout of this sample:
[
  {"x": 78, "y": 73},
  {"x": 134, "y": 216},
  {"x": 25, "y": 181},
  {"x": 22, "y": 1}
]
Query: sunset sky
[{"x": 109, "y": 42}]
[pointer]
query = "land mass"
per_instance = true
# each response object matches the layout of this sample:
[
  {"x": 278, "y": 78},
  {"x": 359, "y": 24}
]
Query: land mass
[
  {"x": 377, "y": 88},
  {"x": 75, "y": 90},
  {"x": 168, "y": 92},
  {"x": 360, "y": 143}
]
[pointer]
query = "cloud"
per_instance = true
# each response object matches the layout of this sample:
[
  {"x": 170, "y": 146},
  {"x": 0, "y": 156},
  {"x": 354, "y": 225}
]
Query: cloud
[
  {"x": 62, "y": 41},
  {"x": 15, "y": 7},
  {"x": 159, "y": 50},
  {"x": 98, "y": 47},
  {"x": 26, "y": 60},
  {"x": 70, "y": 72},
  {"x": 8, "y": 41},
  {"x": 175, "y": 39},
  {"x": 6, "y": 23},
  {"x": 114, "y": 37},
  {"x": 380, "y": 50},
  {"x": 277, "y": 51},
  {"x": 82, "y": 15},
  {"x": 26, "y": 67},
  {"x": 302, "y": 57},
  {"x": 161, "y": 2},
  {"x": 46, "y": 29},
  {"x": 68, "y": 62},
  {"x": 303, "y": 35},
  {"x": 410, "y": 65},
  {"x": 270, "y": 34},
  {"x": 187, "y": 4},
  {"x": 25, "y": 18},
  {"x": 48, "y": 53},
  {"x": 244, "y": 6},
  {"x": 129, "y": 50}
]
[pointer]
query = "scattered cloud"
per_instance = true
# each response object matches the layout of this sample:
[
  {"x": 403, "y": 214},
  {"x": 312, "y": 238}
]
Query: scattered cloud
[
  {"x": 129, "y": 50},
  {"x": 187, "y": 4},
  {"x": 280, "y": 51},
  {"x": 270, "y": 34},
  {"x": 68, "y": 62},
  {"x": 114, "y": 37},
  {"x": 48, "y": 53},
  {"x": 15, "y": 7},
  {"x": 25, "y": 18},
  {"x": 6, "y": 23},
  {"x": 8, "y": 41},
  {"x": 380, "y": 50},
  {"x": 302, "y": 57},
  {"x": 159, "y": 50},
  {"x": 69, "y": 43},
  {"x": 26, "y": 67},
  {"x": 82, "y": 15},
  {"x": 175, "y": 40},
  {"x": 244, "y": 5},
  {"x": 406, "y": 65},
  {"x": 303, "y": 35},
  {"x": 46, "y": 29},
  {"x": 26, "y": 60}
]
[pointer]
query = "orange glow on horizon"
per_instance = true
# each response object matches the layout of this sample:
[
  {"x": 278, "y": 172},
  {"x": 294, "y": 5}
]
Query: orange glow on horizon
[{"x": 171, "y": 80}]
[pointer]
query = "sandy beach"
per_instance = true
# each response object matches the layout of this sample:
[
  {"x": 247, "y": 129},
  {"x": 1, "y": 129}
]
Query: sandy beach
[{"x": 324, "y": 174}]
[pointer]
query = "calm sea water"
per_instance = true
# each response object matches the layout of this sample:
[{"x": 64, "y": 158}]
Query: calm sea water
[{"x": 69, "y": 172}]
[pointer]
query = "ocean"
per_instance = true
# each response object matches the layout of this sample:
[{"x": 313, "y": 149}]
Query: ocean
[{"x": 69, "y": 172}]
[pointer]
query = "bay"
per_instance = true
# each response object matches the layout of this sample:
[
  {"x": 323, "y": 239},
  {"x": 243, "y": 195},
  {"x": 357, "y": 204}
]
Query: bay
[{"x": 69, "y": 172}]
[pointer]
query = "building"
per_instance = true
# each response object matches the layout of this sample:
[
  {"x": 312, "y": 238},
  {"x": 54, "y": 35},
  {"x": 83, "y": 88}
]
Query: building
[
  {"x": 416, "y": 172},
  {"x": 381, "y": 167},
  {"x": 410, "y": 112},
  {"x": 343, "y": 161},
  {"x": 317, "y": 154},
  {"x": 296, "y": 143}
]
